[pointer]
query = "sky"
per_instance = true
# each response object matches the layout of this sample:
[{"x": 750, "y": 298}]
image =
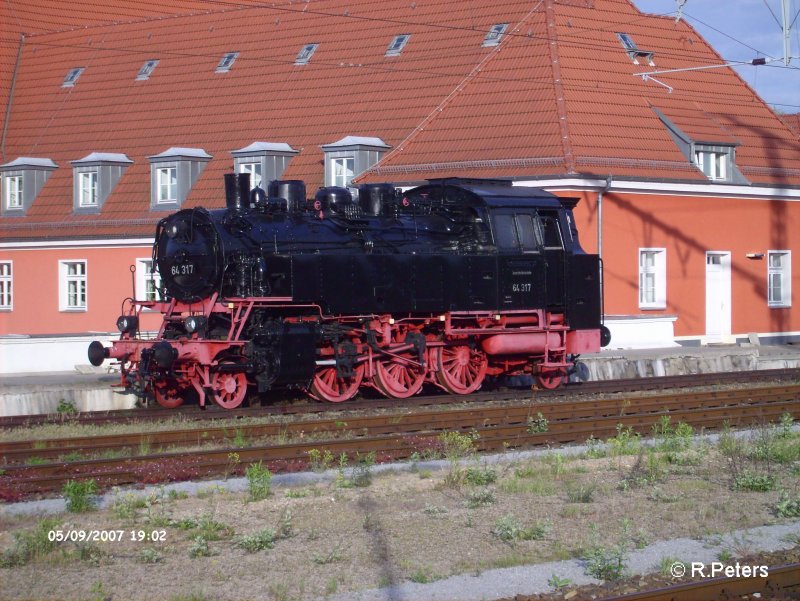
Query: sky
[{"x": 741, "y": 30}]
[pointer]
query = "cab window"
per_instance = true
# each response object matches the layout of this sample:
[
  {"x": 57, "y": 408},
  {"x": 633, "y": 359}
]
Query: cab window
[
  {"x": 518, "y": 231},
  {"x": 552, "y": 232}
]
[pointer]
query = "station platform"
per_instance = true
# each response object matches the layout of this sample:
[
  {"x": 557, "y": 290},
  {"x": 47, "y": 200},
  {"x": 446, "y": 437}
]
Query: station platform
[{"x": 92, "y": 389}]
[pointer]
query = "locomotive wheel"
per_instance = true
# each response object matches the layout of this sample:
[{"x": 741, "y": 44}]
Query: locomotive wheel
[
  {"x": 461, "y": 369},
  {"x": 550, "y": 379},
  {"x": 399, "y": 379},
  {"x": 229, "y": 389},
  {"x": 328, "y": 386},
  {"x": 168, "y": 394}
]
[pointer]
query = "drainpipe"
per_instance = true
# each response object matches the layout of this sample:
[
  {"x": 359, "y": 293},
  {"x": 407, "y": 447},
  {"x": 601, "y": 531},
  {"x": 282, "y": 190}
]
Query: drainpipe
[
  {"x": 600, "y": 194},
  {"x": 607, "y": 187}
]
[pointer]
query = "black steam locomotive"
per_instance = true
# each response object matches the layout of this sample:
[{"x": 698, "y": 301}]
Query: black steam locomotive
[{"x": 446, "y": 283}]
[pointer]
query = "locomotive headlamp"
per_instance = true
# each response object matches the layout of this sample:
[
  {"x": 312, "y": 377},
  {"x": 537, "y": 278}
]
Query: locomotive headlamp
[
  {"x": 127, "y": 323},
  {"x": 195, "y": 323},
  {"x": 177, "y": 228}
]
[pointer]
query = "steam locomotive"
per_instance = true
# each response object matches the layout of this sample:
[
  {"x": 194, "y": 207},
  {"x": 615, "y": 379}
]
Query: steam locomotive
[{"x": 447, "y": 284}]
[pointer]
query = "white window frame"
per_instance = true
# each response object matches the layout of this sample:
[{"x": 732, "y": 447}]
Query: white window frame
[
  {"x": 226, "y": 62},
  {"x": 305, "y": 54},
  {"x": 6, "y": 286},
  {"x": 166, "y": 193},
  {"x": 73, "y": 285},
  {"x": 495, "y": 34},
  {"x": 147, "y": 69},
  {"x": 72, "y": 77},
  {"x": 784, "y": 273},
  {"x": 718, "y": 164},
  {"x": 340, "y": 178},
  {"x": 147, "y": 284},
  {"x": 397, "y": 44},
  {"x": 256, "y": 175},
  {"x": 654, "y": 273},
  {"x": 14, "y": 192},
  {"x": 87, "y": 188}
]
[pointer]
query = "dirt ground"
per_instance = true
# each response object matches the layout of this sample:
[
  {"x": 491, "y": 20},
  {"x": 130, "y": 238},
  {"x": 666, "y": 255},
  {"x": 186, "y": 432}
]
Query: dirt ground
[{"x": 361, "y": 532}]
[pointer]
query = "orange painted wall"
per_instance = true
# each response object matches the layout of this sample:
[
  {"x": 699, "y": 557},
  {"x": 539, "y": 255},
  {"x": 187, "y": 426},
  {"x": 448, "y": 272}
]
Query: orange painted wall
[
  {"x": 35, "y": 286},
  {"x": 688, "y": 227}
]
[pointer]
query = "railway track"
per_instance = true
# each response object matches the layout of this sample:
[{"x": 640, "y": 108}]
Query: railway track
[
  {"x": 392, "y": 436},
  {"x": 782, "y": 583},
  {"x": 194, "y": 413}
]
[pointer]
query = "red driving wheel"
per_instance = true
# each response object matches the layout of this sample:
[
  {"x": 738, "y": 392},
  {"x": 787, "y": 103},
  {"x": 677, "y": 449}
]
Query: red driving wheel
[
  {"x": 399, "y": 378},
  {"x": 461, "y": 369},
  {"x": 327, "y": 385}
]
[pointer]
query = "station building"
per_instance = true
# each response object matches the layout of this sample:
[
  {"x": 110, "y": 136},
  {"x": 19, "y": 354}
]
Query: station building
[{"x": 688, "y": 182}]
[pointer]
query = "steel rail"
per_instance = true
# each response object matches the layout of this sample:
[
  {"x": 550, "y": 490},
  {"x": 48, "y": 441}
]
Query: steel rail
[
  {"x": 19, "y": 452},
  {"x": 285, "y": 457},
  {"x": 597, "y": 387},
  {"x": 779, "y": 578}
]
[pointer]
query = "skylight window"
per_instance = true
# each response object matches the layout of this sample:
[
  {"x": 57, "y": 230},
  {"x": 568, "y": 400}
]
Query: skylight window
[
  {"x": 305, "y": 54},
  {"x": 495, "y": 34},
  {"x": 226, "y": 62},
  {"x": 633, "y": 51},
  {"x": 72, "y": 77},
  {"x": 397, "y": 44},
  {"x": 146, "y": 70}
]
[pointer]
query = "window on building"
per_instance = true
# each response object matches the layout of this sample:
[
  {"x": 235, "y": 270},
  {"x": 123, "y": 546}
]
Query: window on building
[
  {"x": 6, "y": 291},
  {"x": 652, "y": 278},
  {"x": 254, "y": 169},
  {"x": 87, "y": 189},
  {"x": 779, "y": 278},
  {"x": 14, "y": 192},
  {"x": 305, "y": 54},
  {"x": 397, "y": 44},
  {"x": 147, "y": 69},
  {"x": 495, "y": 34},
  {"x": 714, "y": 164},
  {"x": 633, "y": 51},
  {"x": 148, "y": 282},
  {"x": 72, "y": 284},
  {"x": 72, "y": 77},
  {"x": 226, "y": 62},
  {"x": 167, "y": 184},
  {"x": 343, "y": 171}
]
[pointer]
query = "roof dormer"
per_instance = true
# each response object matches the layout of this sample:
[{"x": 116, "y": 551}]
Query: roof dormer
[
  {"x": 22, "y": 180},
  {"x": 264, "y": 161},
  {"x": 349, "y": 157},
  {"x": 172, "y": 175},
  {"x": 93, "y": 179}
]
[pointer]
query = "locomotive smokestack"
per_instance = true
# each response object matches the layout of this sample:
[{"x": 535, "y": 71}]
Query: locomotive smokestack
[{"x": 237, "y": 191}]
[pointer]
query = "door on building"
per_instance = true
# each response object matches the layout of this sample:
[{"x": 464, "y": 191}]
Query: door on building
[{"x": 718, "y": 296}]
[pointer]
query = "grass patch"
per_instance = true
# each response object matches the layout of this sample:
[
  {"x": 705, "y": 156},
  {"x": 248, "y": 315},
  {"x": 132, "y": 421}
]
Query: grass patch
[
  {"x": 508, "y": 529},
  {"x": 582, "y": 494},
  {"x": 259, "y": 481},
  {"x": 30, "y": 545},
  {"x": 79, "y": 495},
  {"x": 257, "y": 541},
  {"x": 481, "y": 498}
]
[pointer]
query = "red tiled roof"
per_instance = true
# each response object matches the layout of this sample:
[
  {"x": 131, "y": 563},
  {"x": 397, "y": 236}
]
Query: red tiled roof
[
  {"x": 793, "y": 121},
  {"x": 606, "y": 110},
  {"x": 557, "y": 96},
  {"x": 34, "y": 17}
]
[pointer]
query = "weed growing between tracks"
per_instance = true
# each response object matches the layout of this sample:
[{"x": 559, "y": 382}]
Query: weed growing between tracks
[{"x": 415, "y": 526}]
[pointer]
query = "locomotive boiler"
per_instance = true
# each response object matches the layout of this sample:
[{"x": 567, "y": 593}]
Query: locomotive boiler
[{"x": 445, "y": 284}]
